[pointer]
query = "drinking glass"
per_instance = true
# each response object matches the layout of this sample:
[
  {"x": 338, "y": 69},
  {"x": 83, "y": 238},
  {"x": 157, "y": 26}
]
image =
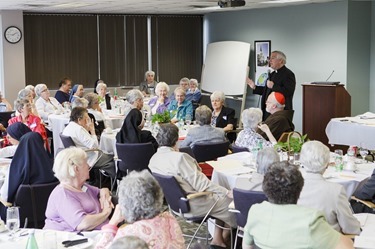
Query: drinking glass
[
  {"x": 188, "y": 119},
  {"x": 363, "y": 152},
  {"x": 13, "y": 220},
  {"x": 339, "y": 163}
]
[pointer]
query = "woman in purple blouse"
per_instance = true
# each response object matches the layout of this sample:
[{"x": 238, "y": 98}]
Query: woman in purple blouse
[
  {"x": 160, "y": 102},
  {"x": 74, "y": 205}
]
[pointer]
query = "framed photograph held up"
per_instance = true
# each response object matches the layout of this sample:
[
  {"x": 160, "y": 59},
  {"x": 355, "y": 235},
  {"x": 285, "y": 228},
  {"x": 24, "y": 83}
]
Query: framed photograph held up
[{"x": 262, "y": 57}]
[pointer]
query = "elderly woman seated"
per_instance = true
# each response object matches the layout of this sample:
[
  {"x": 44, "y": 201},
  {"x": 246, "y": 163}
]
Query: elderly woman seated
[
  {"x": 328, "y": 197},
  {"x": 140, "y": 205},
  {"x": 131, "y": 130},
  {"x": 29, "y": 95},
  {"x": 169, "y": 161},
  {"x": 82, "y": 131},
  {"x": 105, "y": 101},
  {"x": 26, "y": 117},
  {"x": 45, "y": 104},
  {"x": 288, "y": 225},
  {"x": 205, "y": 133},
  {"x": 193, "y": 93},
  {"x": 160, "y": 102},
  {"x": 31, "y": 164},
  {"x": 76, "y": 92},
  {"x": 248, "y": 137},
  {"x": 134, "y": 100},
  {"x": 223, "y": 117},
  {"x": 265, "y": 158},
  {"x": 74, "y": 205},
  {"x": 180, "y": 108}
]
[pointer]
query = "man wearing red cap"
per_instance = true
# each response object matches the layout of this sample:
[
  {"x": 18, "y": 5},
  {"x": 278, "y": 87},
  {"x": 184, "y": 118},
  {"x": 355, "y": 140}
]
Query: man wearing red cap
[
  {"x": 281, "y": 80},
  {"x": 280, "y": 120}
]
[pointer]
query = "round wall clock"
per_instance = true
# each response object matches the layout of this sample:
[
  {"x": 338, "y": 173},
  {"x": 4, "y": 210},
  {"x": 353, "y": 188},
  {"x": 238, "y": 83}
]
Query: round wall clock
[{"x": 13, "y": 34}]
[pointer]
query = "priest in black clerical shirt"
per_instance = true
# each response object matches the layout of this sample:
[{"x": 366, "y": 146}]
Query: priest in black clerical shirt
[{"x": 281, "y": 80}]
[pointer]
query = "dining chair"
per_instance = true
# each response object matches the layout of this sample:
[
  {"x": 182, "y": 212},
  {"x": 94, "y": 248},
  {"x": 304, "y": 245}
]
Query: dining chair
[
  {"x": 133, "y": 156},
  {"x": 187, "y": 150},
  {"x": 67, "y": 141},
  {"x": 210, "y": 151},
  {"x": 32, "y": 200},
  {"x": 179, "y": 204},
  {"x": 243, "y": 200},
  {"x": 5, "y": 116}
]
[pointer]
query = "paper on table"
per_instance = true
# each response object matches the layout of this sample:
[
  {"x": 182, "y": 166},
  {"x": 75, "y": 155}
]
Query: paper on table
[
  {"x": 362, "y": 218},
  {"x": 364, "y": 242}
]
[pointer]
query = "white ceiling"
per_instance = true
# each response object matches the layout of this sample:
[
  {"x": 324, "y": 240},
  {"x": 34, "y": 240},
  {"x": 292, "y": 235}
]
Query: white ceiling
[{"x": 137, "y": 6}]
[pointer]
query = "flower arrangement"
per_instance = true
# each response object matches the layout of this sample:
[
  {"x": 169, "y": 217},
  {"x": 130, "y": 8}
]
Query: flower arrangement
[{"x": 293, "y": 144}]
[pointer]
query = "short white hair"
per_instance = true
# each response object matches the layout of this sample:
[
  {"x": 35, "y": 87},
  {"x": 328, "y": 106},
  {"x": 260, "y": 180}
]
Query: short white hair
[
  {"x": 179, "y": 89},
  {"x": 133, "y": 95},
  {"x": 99, "y": 86},
  {"x": 149, "y": 73},
  {"x": 29, "y": 87},
  {"x": 218, "y": 95},
  {"x": 251, "y": 117},
  {"x": 80, "y": 102},
  {"x": 22, "y": 94},
  {"x": 266, "y": 158},
  {"x": 280, "y": 55},
  {"x": 65, "y": 162},
  {"x": 314, "y": 156},
  {"x": 161, "y": 85},
  {"x": 194, "y": 81},
  {"x": 39, "y": 88}
]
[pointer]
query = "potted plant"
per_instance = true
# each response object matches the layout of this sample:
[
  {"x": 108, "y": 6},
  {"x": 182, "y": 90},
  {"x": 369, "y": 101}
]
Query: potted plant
[
  {"x": 161, "y": 118},
  {"x": 293, "y": 144}
]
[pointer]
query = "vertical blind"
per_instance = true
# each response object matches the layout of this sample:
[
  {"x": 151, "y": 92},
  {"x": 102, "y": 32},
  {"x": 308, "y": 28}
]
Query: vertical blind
[{"x": 112, "y": 47}]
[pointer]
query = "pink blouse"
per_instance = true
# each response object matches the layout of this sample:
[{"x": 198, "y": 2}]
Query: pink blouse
[{"x": 162, "y": 231}]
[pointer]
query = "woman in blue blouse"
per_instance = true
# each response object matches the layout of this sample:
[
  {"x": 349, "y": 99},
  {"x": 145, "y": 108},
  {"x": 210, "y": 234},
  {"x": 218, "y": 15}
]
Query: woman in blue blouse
[{"x": 179, "y": 108}]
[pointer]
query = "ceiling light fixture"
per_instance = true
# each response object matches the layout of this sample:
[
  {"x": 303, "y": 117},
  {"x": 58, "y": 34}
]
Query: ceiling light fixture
[{"x": 231, "y": 3}]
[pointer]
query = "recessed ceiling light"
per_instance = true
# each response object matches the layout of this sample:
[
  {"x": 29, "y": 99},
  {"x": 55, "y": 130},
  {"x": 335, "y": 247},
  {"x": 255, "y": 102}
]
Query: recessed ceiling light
[
  {"x": 285, "y": 1},
  {"x": 72, "y": 5}
]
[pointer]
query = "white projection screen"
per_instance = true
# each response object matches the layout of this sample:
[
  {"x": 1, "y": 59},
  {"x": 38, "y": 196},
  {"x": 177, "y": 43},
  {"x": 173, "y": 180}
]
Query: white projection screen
[{"x": 225, "y": 67}]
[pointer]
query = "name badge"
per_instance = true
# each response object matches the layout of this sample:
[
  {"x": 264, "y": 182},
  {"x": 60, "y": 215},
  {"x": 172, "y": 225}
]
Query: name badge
[{"x": 33, "y": 125}]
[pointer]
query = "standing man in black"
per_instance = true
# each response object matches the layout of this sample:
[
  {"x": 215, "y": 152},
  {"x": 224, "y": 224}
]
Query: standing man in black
[{"x": 281, "y": 80}]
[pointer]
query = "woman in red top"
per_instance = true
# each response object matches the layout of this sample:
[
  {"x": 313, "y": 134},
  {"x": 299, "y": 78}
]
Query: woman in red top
[{"x": 26, "y": 117}]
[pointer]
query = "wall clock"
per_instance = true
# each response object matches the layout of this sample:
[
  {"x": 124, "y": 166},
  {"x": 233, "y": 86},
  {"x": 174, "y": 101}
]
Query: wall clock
[{"x": 13, "y": 34}]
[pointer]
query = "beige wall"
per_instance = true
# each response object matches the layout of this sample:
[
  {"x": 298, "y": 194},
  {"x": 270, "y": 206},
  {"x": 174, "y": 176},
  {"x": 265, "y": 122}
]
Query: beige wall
[{"x": 13, "y": 64}]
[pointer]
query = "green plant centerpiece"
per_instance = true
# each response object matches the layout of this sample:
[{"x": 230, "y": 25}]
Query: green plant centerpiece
[
  {"x": 161, "y": 118},
  {"x": 293, "y": 144}
]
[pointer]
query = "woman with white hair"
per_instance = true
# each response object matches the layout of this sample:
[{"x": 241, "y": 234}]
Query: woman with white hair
[
  {"x": 28, "y": 94},
  {"x": 105, "y": 101},
  {"x": 204, "y": 133},
  {"x": 265, "y": 158},
  {"x": 32, "y": 89},
  {"x": 75, "y": 205},
  {"x": 160, "y": 102},
  {"x": 179, "y": 108},
  {"x": 328, "y": 197},
  {"x": 140, "y": 206},
  {"x": 222, "y": 117},
  {"x": 148, "y": 86},
  {"x": 193, "y": 93},
  {"x": 248, "y": 137},
  {"x": 45, "y": 104}
]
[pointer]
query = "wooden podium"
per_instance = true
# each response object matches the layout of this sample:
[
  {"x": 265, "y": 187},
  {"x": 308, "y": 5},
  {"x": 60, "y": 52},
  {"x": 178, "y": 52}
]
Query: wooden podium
[{"x": 320, "y": 104}]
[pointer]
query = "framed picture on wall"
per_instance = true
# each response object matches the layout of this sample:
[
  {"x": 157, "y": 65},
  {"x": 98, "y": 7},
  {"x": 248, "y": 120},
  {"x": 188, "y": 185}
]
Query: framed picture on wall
[{"x": 262, "y": 57}]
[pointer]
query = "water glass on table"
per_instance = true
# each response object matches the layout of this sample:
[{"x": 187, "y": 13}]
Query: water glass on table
[
  {"x": 339, "y": 161},
  {"x": 363, "y": 152},
  {"x": 13, "y": 220},
  {"x": 188, "y": 119}
]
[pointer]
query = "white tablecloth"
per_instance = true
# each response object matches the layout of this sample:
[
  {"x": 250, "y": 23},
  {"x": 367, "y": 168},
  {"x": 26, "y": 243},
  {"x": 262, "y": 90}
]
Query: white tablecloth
[
  {"x": 41, "y": 237},
  {"x": 366, "y": 238},
  {"x": 352, "y": 131},
  {"x": 58, "y": 123},
  {"x": 108, "y": 142},
  {"x": 229, "y": 168}
]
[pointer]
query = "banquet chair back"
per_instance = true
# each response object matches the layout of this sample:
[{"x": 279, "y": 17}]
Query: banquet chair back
[
  {"x": 67, "y": 141},
  {"x": 210, "y": 151},
  {"x": 187, "y": 150},
  {"x": 236, "y": 149},
  {"x": 5, "y": 116},
  {"x": 243, "y": 200},
  {"x": 134, "y": 156},
  {"x": 32, "y": 201},
  {"x": 178, "y": 202}
]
